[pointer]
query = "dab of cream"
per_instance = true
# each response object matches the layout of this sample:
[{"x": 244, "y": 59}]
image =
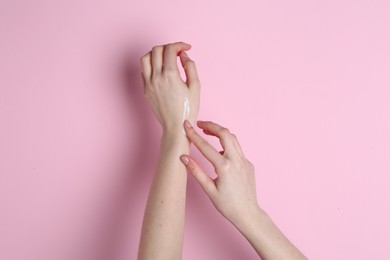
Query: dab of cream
[{"x": 186, "y": 111}]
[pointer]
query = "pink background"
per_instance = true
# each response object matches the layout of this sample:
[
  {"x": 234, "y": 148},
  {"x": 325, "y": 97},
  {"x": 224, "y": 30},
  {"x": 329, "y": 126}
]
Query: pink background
[{"x": 305, "y": 85}]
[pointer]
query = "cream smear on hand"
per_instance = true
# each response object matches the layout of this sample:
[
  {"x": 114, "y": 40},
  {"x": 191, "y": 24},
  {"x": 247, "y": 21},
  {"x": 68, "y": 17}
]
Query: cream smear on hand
[{"x": 186, "y": 111}]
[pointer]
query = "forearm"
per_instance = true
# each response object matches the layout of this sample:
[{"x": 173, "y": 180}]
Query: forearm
[
  {"x": 265, "y": 237},
  {"x": 163, "y": 224}
]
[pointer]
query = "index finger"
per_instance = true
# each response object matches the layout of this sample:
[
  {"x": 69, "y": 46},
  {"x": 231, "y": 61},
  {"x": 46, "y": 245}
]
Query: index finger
[
  {"x": 171, "y": 52},
  {"x": 204, "y": 147},
  {"x": 223, "y": 134}
]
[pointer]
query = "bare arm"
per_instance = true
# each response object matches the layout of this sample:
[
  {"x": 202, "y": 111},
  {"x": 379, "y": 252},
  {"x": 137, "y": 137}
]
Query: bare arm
[
  {"x": 165, "y": 91},
  {"x": 233, "y": 192},
  {"x": 265, "y": 237}
]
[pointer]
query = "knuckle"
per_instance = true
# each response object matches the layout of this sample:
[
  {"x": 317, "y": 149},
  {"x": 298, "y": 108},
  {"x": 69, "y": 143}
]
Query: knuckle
[
  {"x": 169, "y": 46},
  {"x": 224, "y": 166},
  {"x": 144, "y": 58},
  {"x": 250, "y": 165},
  {"x": 209, "y": 189},
  {"x": 156, "y": 48},
  {"x": 224, "y": 131},
  {"x": 154, "y": 80},
  {"x": 170, "y": 72},
  {"x": 189, "y": 65}
]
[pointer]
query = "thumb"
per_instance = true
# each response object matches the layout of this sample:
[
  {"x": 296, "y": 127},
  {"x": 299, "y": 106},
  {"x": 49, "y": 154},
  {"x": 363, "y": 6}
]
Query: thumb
[
  {"x": 207, "y": 184},
  {"x": 189, "y": 67}
]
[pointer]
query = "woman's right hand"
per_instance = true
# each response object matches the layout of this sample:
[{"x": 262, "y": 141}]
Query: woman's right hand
[{"x": 233, "y": 192}]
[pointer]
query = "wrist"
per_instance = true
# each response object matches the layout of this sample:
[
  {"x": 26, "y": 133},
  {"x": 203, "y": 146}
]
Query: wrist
[
  {"x": 173, "y": 128},
  {"x": 175, "y": 136},
  {"x": 176, "y": 126},
  {"x": 246, "y": 220}
]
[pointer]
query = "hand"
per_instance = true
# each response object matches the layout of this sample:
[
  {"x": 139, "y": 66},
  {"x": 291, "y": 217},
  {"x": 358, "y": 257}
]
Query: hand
[
  {"x": 233, "y": 192},
  {"x": 165, "y": 90}
]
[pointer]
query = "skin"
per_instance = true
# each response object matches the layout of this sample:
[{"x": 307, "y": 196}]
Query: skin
[
  {"x": 164, "y": 90},
  {"x": 233, "y": 192}
]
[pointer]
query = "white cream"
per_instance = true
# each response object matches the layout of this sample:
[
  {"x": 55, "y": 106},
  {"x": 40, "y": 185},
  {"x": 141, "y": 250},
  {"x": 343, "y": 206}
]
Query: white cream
[{"x": 186, "y": 111}]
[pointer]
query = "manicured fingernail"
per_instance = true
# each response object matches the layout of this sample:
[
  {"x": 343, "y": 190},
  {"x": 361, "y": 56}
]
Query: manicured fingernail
[
  {"x": 184, "y": 160},
  {"x": 188, "y": 124}
]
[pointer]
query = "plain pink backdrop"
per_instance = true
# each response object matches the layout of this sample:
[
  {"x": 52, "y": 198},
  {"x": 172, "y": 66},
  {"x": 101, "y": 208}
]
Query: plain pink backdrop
[{"x": 305, "y": 85}]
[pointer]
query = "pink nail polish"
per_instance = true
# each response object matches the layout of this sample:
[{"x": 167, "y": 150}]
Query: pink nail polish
[{"x": 184, "y": 160}]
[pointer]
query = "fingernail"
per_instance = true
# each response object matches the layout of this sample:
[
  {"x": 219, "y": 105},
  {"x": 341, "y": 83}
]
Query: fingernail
[
  {"x": 187, "y": 124},
  {"x": 184, "y": 160},
  {"x": 185, "y": 54}
]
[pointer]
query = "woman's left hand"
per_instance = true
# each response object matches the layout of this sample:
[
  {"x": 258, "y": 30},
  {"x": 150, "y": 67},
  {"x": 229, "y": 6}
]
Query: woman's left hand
[{"x": 164, "y": 88}]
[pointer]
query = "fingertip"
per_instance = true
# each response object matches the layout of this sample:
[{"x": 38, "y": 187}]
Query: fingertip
[
  {"x": 187, "y": 124},
  {"x": 184, "y": 45},
  {"x": 200, "y": 124},
  {"x": 189, "y": 46},
  {"x": 184, "y": 159}
]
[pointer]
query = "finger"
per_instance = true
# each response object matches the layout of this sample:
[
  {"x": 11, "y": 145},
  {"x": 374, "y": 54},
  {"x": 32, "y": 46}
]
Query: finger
[
  {"x": 189, "y": 67},
  {"x": 170, "y": 55},
  {"x": 205, "y": 181},
  {"x": 157, "y": 59},
  {"x": 204, "y": 147},
  {"x": 237, "y": 144},
  {"x": 146, "y": 66},
  {"x": 209, "y": 133},
  {"x": 222, "y": 133}
]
